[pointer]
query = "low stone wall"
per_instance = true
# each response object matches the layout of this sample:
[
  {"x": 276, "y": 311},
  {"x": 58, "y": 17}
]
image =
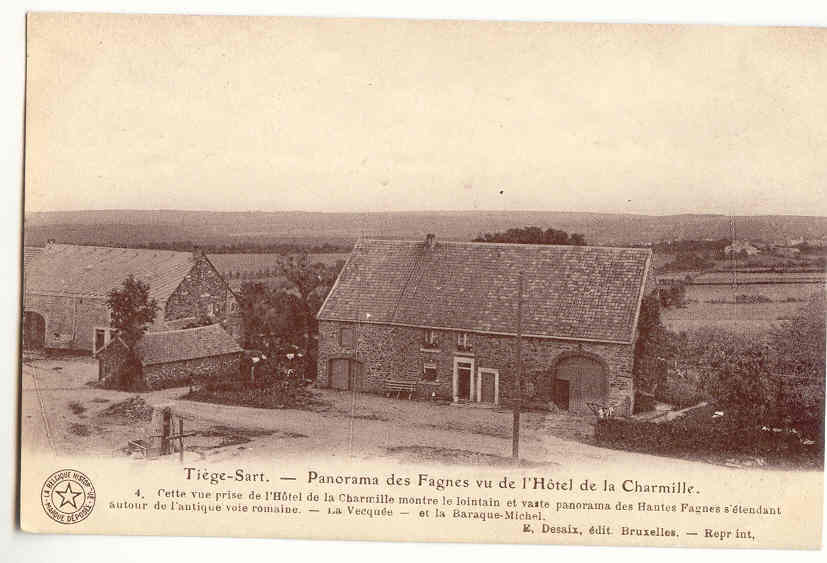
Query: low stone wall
[{"x": 179, "y": 374}]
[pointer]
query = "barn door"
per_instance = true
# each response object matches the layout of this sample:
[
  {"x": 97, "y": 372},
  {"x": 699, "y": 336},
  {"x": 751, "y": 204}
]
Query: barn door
[
  {"x": 345, "y": 374},
  {"x": 340, "y": 374},
  {"x": 34, "y": 331},
  {"x": 487, "y": 393},
  {"x": 580, "y": 380}
]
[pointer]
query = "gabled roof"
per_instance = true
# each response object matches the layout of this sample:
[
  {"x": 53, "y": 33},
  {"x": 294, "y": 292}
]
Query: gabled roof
[
  {"x": 184, "y": 344},
  {"x": 570, "y": 292},
  {"x": 92, "y": 271}
]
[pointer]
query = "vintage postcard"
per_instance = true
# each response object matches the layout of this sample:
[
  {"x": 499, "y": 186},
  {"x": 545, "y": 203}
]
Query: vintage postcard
[{"x": 409, "y": 280}]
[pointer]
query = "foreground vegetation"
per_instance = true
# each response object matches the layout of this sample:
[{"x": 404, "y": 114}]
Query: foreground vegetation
[
  {"x": 766, "y": 393},
  {"x": 266, "y": 392}
]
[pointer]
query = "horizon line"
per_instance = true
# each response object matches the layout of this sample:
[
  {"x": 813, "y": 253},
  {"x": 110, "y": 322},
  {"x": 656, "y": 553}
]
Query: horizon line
[{"x": 417, "y": 211}]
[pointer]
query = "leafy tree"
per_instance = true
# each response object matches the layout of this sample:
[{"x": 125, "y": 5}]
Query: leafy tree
[
  {"x": 654, "y": 348},
  {"x": 311, "y": 282},
  {"x": 131, "y": 309},
  {"x": 533, "y": 235},
  {"x": 672, "y": 295},
  {"x": 686, "y": 261},
  {"x": 272, "y": 317}
]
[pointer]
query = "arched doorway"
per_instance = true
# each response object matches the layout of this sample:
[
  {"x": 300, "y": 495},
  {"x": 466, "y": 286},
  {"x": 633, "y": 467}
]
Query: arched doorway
[
  {"x": 579, "y": 379},
  {"x": 34, "y": 331}
]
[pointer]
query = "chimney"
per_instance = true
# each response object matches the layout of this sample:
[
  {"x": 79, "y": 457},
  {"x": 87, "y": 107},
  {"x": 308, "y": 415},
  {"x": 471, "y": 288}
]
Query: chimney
[{"x": 430, "y": 241}]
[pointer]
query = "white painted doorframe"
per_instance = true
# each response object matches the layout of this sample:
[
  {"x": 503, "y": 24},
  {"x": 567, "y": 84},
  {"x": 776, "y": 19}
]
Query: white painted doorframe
[
  {"x": 455, "y": 387},
  {"x": 496, "y": 374}
]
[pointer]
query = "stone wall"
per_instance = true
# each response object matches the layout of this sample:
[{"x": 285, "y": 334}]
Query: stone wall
[
  {"x": 398, "y": 353},
  {"x": 178, "y": 374},
  {"x": 202, "y": 292},
  {"x": 70, "y": 321}
]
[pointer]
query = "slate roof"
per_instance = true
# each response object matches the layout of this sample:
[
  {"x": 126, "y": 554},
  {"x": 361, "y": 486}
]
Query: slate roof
[
  {"x": 570, "y": 292},
  {"x": 92, "y": 271},
  {"x": 184, "y": 344}
]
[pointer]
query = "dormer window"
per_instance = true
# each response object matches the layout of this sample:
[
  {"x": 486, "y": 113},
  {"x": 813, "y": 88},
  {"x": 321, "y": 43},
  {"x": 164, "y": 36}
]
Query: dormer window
[
  {"x": 463, "y": 342},
  {"x": 431, "y": 340}
]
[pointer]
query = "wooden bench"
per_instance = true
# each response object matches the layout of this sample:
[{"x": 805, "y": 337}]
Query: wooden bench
[{"x": 399, "y": 387}]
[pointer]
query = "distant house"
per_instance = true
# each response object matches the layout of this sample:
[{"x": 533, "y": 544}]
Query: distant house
[
  {"x": 66, "y": 286},
  {"x": 170, "y": 358},
  {"x": 441, "y": 318},
  {"x": 741, "y": 246}
]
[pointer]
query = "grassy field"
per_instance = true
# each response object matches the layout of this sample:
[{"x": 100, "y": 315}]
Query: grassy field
[{"x": 715, "y": 306}]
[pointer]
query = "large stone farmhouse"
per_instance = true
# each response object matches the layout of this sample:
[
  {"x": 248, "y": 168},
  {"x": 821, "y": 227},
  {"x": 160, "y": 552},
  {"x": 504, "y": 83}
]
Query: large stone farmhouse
[
  {"x": 170, "y": 358},
  {"x": 442, "y": 317},
  {"x": 66, "y": 286}
]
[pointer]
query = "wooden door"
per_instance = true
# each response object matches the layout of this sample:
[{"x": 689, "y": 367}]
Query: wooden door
[
  {"x": 587, "y": 383},
  {"x": 340, "y": 374},
  {"x": 487, "y": 390},
  {"x": 464, "y": 380},
  {"x": 345, "y": 374},
  {"x": 560, "y": 394},
  {"x": 34, "y": 331}
]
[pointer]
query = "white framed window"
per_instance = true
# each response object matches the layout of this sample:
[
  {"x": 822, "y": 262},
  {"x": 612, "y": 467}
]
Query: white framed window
[
  {"x": 101, "y": 336},
  {"x": 431, "y": 339},
  {"x": 463, "y": 342}
]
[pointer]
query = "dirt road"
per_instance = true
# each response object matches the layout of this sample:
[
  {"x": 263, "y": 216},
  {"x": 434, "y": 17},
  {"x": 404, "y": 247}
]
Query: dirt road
[
  {"x": 35, "y": 431},
  {"x": 63, "y": 412}
]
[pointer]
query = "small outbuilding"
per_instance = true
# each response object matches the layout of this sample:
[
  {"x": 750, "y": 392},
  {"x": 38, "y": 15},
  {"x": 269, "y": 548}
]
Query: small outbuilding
[{"x": 170, "y": 358}]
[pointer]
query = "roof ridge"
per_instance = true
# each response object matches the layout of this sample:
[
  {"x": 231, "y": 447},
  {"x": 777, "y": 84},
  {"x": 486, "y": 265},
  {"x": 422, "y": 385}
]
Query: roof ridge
[
  {"x": 99, "y": 247},
  {"x": 161, "y": 332}
]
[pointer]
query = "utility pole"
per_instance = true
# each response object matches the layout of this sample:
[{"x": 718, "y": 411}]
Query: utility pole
[{"x": 518, "y": 388}]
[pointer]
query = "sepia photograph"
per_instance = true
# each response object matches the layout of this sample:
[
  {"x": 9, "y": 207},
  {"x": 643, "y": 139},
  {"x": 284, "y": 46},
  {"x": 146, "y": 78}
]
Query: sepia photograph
[{"x": 420, "y": 280}]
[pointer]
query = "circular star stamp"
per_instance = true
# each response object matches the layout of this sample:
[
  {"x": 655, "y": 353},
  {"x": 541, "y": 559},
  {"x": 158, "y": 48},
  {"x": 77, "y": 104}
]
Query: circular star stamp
[{"x": 67, "y": 496}]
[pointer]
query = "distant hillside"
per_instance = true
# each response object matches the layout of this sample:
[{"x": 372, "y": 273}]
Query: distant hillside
[{"x": 125, "y": 228}]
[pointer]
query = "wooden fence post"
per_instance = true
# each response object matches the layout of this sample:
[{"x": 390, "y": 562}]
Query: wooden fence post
[{"x": 181, "y": 437}]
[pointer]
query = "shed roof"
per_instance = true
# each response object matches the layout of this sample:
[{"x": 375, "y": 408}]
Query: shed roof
[
  {"x": 184, "y": 344},
  {"x": 570, "y": 292},
  {"x": 92, "y": 271}
]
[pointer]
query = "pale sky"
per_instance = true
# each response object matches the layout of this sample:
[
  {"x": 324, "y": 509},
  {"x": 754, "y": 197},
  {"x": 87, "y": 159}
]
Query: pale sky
[{"x": 232, "y": 113}]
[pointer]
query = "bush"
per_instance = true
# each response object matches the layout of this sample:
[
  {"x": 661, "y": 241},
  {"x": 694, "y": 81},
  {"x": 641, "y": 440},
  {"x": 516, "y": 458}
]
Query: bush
[
  {"x": 699, "y": 434},
  {"x": 269, "y": 391},
  {"x": 644, "y": 402},
  {"x": 751, "y": 299},
  {"x": 681, "y": 393}
]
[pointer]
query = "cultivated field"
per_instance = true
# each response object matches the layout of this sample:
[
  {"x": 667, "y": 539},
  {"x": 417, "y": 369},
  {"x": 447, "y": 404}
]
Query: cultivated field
[
  {"x": 759, "y": 278},
  {"x": 715, "y": 306}
]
